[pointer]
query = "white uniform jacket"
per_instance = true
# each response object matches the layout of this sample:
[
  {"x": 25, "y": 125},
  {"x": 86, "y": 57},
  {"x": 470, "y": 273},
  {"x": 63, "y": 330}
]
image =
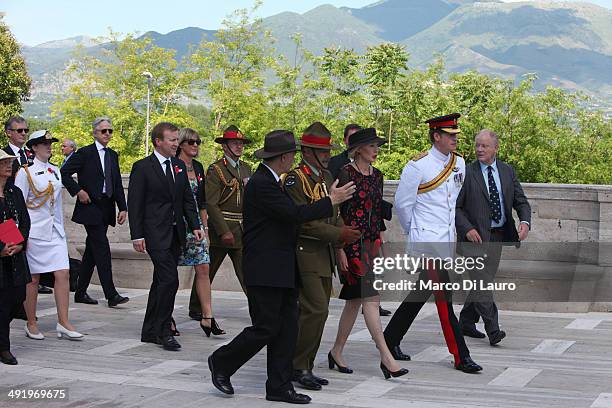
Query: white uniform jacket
[
  {"x": 50, "y": 215},
  {"x": 428, "y": 218}
]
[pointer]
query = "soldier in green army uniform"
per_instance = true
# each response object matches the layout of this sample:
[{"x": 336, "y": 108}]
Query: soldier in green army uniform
[
  {"x": 225, "y": 181},
  {"x": 318, "y": 250}
]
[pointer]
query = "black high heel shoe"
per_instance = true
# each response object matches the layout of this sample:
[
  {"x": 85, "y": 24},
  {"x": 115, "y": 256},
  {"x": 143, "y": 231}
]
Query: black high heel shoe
[
  {"x": 174, "y": 331},
  {"x": 387, "y": 373},
  {"x": 332, "y": 363},
  {"x": 213, "y": 329}
]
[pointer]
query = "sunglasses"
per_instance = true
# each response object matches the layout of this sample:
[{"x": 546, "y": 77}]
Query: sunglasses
[
  {"x": 193, "y": 142},
  {"x": 105, "y": 131},
  {"x": 20, "y": 130}
]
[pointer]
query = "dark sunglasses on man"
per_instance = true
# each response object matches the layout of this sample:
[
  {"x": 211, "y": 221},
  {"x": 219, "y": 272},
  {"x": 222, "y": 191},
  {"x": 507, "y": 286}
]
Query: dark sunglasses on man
[
  {"x": 105, "y": 131},
  {"x": 193, "y": 142},
  {"x": 20, "y": 130}
]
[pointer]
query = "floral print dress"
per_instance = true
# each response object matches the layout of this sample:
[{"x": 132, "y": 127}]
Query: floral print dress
[
  {"x": 363, "y": 211},
  {"x": 195, "y": 252}
]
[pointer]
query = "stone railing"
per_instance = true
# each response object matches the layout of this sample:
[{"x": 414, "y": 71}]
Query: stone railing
[{"x": 562, "y": 216}]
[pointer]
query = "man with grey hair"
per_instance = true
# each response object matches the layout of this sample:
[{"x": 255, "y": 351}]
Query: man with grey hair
[
  {"x": 484, "y": 223},
  {"x": 68, "y": 146},
  {"x": 99, "y": 189}
]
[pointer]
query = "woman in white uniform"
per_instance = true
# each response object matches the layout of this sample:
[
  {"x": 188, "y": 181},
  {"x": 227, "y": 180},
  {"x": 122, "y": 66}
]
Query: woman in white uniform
[{"x": 47, "y": 250}]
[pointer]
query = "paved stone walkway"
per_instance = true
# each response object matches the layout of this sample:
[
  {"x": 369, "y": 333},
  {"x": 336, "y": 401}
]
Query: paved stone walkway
[{"x": 547, "y": 360}]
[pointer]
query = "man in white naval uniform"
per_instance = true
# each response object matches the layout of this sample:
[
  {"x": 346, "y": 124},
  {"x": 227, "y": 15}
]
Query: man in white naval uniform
[{"x": 425, "y": 204}]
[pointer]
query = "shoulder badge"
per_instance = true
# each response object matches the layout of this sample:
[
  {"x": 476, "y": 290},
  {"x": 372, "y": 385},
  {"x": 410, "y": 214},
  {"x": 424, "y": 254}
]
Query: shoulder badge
[
  {"x": 289, "y": 180},
  {"x": 419, "y": 156}
]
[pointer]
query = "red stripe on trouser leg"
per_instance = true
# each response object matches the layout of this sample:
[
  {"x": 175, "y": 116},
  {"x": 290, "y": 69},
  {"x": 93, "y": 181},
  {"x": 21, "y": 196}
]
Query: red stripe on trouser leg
[{"x": 442, "y": 305}]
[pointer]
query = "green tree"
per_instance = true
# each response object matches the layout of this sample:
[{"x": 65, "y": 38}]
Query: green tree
[{"x": 14, "y": 80}]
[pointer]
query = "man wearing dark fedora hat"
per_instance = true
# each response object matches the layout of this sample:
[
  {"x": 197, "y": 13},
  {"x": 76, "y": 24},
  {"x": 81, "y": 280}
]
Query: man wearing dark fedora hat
[
  {"x": 270, "y": 220},
  {"x": 319, "y": 248},
  {"x": 225, "y": 181}
]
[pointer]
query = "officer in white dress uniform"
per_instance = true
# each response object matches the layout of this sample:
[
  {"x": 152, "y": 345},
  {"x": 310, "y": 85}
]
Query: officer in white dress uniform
[
  {"x": 47, "y": 250},
  {"x": 425, "y": 204}
]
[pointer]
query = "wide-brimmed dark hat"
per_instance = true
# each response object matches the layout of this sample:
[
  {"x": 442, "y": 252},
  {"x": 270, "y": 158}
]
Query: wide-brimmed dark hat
[
  {"x": 232, "y": 133},
  {"x": 277, "y": 142},
  {"x": 446, "y": 123},
  {"x": 40, "y": 136},
  {"x": 317, "y": 136},
  {"x": 364, "y": 137}
]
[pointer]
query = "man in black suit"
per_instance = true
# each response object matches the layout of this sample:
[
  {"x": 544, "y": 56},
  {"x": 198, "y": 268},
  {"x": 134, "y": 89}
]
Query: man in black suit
[
  {"x": 271, "y": 221},
  {"x": 16, "y": 129},
  {"x": 98, "y": 190},
  {"x": 160, "y": 200},
  {"x": 484, "y": 223}
]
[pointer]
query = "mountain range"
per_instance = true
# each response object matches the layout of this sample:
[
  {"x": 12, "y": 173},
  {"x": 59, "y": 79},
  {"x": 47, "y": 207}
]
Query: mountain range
[{"x": 567, "y": 44}]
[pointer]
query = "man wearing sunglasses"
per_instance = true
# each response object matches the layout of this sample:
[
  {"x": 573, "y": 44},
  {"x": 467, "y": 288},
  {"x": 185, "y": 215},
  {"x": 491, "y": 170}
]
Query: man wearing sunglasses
[
  {"x": 99, "y": 189},
  {"x": 16, "y": 129}
]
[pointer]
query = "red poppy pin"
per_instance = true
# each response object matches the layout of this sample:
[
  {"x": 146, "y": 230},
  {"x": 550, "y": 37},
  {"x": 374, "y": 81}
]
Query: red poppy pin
[
  {"x": 177, "y": 170},
  {"x": 199, "y": 177},
  {"x": 50, "y": 170}
]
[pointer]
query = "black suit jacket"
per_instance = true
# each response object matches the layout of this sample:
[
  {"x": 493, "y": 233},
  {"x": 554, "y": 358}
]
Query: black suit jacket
[
  {"x": 271, "y": 221},
  {"x": 472, "y": 210},
  {"x": 153, "y": 208},
  {"x": 85, "y": 162},
  {"x": 201, "y": 177},
  {"x": 19, "y": 212},
  {"x": 337, "y": 162}
]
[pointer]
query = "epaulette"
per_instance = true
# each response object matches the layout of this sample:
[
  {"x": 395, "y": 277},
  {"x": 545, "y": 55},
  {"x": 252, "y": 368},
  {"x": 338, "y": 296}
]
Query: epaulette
[
  {"x": 458, "y": 154},
  {"x": 420, "y": 156}
]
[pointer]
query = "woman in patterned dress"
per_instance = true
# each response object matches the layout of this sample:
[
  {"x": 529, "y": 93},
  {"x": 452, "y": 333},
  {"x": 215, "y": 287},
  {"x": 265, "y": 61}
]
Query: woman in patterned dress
[
  {"x": 196, "y": 252},
  {"x": 363, "y": 211}
]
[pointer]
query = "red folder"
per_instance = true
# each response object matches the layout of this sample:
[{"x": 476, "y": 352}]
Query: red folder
[{"x": 9, "y": 233}]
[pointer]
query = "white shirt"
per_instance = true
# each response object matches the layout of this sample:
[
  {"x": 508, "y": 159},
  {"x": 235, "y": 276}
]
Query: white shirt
[
  {"x": 101, "y": 153},
  {"x": 162, "y": 162},
  {"x": 273, "y": 172},
  {"x": 16, "y": 149},
  {"x": 429, "y": 217}
]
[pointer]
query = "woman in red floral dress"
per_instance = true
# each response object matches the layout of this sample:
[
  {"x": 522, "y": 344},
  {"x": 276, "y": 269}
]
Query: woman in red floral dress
[{"x": 363, "y": 211}]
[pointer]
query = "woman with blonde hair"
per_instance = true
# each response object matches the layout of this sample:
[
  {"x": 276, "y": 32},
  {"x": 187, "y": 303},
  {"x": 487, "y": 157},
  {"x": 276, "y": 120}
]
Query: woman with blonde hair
[
  {"x": 47, "y": 250},
  {"x": 363, "y": 211}
]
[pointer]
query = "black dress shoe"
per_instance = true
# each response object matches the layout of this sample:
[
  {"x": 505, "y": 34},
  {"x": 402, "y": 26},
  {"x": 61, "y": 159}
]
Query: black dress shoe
[
  {"x": 84, "y": 298},
  {"x": 318, "y": 379},
  {"x": 117, "y": 300},
  {"x": 473, "y": 332},
  {"x": 305, "y": 379},
  {"x": 289, "y": 396},
  {"x": 384, "y": 312},
  {"x": 169, "y": 343},
  {"x": 497, "y": 337},
  {"x": 8, "y": 358},
  {"x": 398, "y": 354},
  {"x": 220, "y": 381},
  {"x": 43, "y": 290},
  {"x": 467, "y": 365},
  {"x": 195, "y": 315}
]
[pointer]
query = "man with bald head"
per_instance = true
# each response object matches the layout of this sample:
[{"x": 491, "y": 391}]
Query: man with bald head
[{"x": 484, "y": 223}]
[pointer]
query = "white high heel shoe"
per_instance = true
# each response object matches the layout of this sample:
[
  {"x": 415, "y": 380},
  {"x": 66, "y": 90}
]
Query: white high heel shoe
[
  {"x": 70, "y": 335},
  {"x": 33, "y": 336}
]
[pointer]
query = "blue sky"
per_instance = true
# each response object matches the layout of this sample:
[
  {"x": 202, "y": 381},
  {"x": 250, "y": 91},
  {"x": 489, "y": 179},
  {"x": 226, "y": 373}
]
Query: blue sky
[{"x": 37, "y": 21}]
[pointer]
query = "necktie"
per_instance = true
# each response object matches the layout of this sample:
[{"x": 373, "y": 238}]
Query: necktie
[
  {"x": 23, "y": 160},
  {"x": 169, "y": 175},
  {"x": 494, "y": 204},
  {"x": 108, "y": 173}
]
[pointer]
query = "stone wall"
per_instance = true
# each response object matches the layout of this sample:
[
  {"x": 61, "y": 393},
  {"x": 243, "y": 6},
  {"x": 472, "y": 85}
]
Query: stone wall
[{"x": 562, "y": 216}]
